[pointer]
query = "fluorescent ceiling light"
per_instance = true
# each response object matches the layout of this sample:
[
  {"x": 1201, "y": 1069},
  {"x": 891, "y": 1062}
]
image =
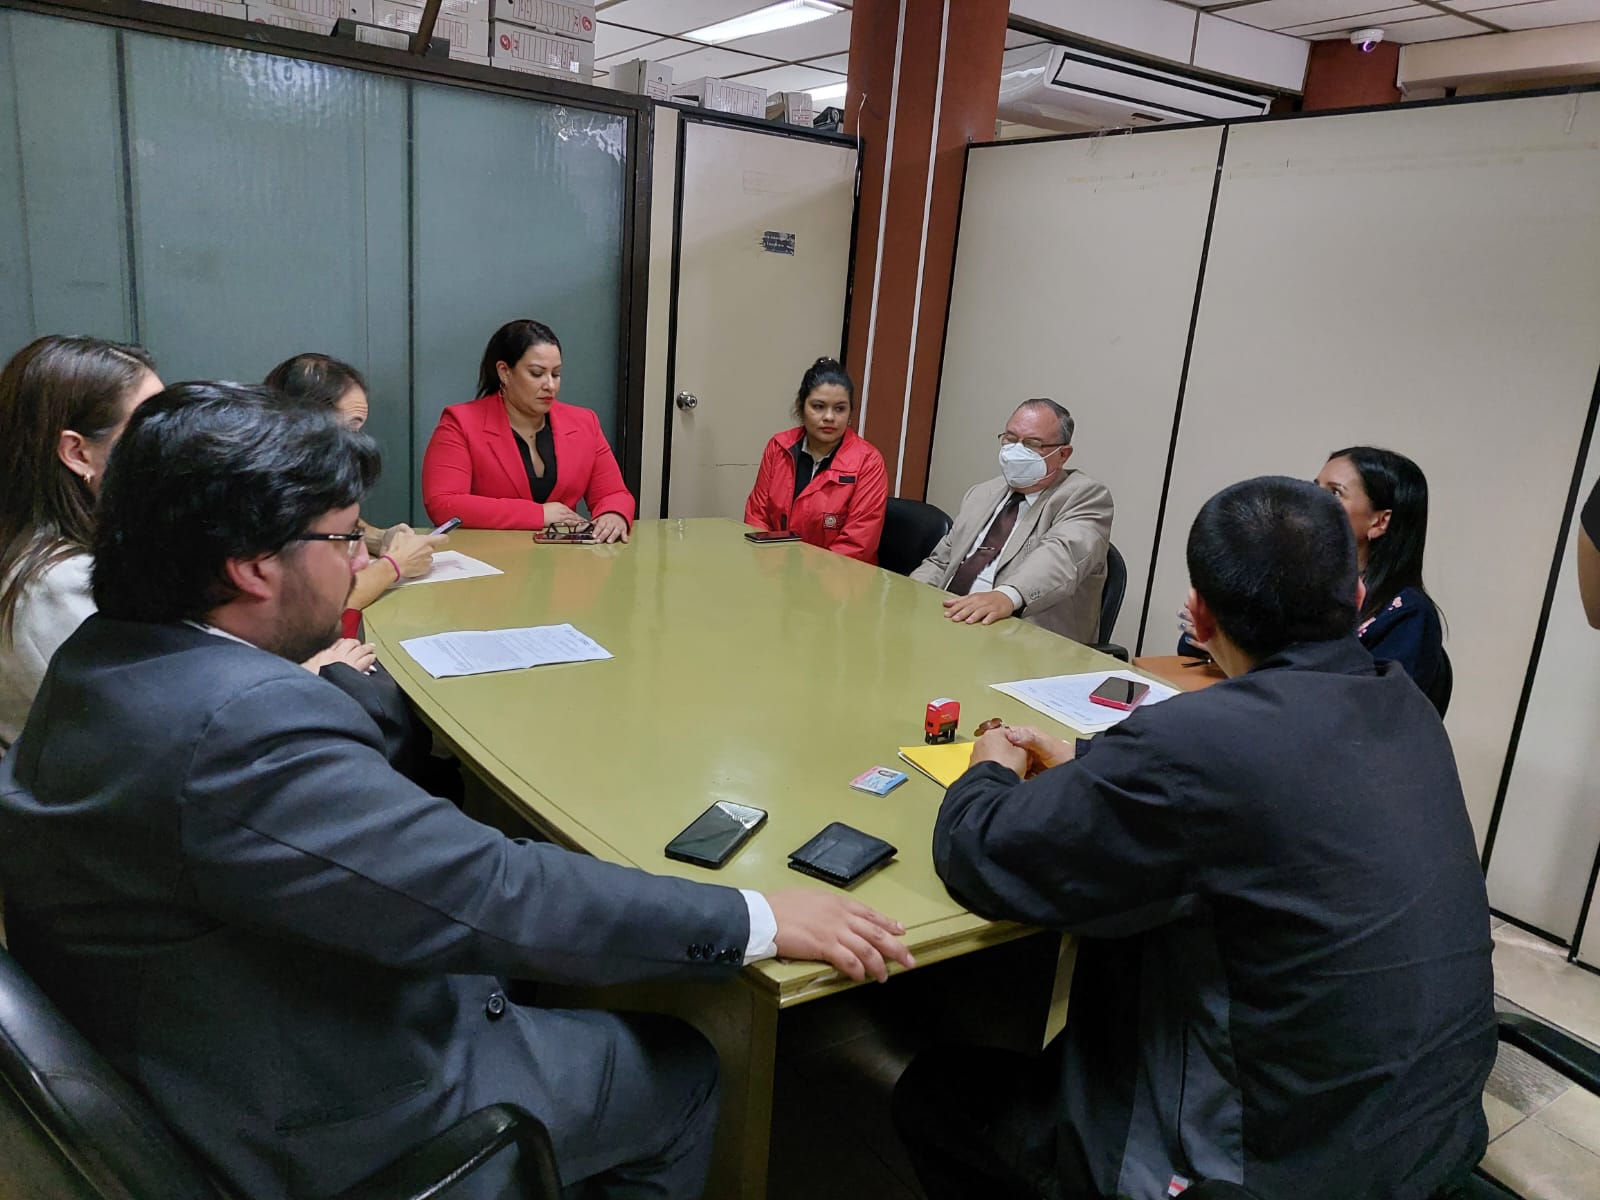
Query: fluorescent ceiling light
[
  {"x": 783, "y": 15},
  {"x": 833, "y": 91}
]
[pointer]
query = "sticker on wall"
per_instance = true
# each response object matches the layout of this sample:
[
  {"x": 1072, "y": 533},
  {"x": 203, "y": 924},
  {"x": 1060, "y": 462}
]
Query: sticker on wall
[{"x": 774, "y": 242}]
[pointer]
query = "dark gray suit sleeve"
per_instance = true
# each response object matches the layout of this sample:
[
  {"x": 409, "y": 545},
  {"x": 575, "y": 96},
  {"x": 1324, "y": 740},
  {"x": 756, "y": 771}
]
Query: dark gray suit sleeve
[
  {"x": 1101, "y": 845},
  {"x": 293, "y": 823}
]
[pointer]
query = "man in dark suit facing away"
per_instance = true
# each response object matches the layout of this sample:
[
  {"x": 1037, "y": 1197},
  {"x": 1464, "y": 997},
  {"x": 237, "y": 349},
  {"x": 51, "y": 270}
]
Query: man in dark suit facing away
[
  {"x": 295, "y": 952},
  {"x": 1283, "y": 977}
]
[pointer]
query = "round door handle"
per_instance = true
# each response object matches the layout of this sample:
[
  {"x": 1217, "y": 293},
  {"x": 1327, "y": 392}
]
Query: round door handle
[{"x": 688, "y": 400}]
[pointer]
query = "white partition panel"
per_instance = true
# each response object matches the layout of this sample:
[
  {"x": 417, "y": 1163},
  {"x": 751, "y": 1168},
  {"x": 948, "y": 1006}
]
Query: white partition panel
[
  {"x": 1426, "y": 279},
  {"x": 1549, "y": 827},
  {"x": 1075, "y": 279}
]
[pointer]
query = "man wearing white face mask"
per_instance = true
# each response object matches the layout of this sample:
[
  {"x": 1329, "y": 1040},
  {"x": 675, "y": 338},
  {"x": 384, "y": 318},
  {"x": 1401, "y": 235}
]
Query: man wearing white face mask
[{"x": 1031, "y": 543}]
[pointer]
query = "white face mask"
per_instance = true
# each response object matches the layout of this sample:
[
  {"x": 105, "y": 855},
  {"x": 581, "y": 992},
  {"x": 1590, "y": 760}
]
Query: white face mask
[{"x": 1021, "y": 467}]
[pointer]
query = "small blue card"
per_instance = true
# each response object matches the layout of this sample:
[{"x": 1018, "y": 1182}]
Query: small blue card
[{"x": 880, "y": 781}]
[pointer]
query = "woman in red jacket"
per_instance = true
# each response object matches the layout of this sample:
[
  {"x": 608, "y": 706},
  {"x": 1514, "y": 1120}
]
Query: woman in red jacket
[
  {"x": 821, "y": 480},
  {"x": 516, "y": 457}
]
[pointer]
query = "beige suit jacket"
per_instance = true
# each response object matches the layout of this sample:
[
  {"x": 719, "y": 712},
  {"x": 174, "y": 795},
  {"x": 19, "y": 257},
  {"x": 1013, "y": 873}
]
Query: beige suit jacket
[{"x": 1055, "y": 557}]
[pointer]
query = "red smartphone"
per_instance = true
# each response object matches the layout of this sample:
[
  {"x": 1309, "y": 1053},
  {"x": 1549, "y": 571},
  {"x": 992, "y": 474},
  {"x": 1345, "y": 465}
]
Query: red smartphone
[
  {"x": 761, "y": 536},
  {"x": 1119, "y": 693}
]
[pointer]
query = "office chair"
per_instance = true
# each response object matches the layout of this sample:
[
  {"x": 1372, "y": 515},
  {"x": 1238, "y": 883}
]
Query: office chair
[
  {"x": 1111, "y": 604},
  {"x": 911, "y": 529},
  {"x": 1559, "y": 1051},
  {"x": 71, "y": 1127},
  {"x": 1443, "y": 683}
]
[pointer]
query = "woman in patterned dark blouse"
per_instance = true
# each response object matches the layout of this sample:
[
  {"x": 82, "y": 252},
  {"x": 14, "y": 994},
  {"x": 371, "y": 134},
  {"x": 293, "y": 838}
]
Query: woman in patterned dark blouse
[{"x": 1386, "y": 497}]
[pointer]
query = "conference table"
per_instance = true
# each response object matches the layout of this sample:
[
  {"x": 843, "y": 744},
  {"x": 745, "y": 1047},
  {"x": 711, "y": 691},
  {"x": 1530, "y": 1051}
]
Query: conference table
[{"x": 770, "y": 675}]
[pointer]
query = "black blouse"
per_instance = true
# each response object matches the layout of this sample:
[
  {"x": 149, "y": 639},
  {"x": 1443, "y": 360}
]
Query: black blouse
[{"x": 540, "y": 485}]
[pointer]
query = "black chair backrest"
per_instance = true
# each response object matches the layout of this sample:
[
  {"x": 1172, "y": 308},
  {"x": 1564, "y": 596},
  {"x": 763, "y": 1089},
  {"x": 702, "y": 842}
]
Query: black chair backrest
[
  {"x": 1116, "y": 589},
  {"x": 70, "y": 1126},
  {"x": 911, "y": 529},
  {"x": 1444, "y": 682}
]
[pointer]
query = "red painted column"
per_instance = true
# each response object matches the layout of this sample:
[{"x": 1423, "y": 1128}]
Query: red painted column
[
  {"x": 924, "y": 81},
  {"x": 1342, "y": 75}
]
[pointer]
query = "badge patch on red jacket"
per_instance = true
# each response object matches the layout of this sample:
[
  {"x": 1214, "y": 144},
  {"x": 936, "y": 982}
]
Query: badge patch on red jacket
[{"x": 830, "y": 520}]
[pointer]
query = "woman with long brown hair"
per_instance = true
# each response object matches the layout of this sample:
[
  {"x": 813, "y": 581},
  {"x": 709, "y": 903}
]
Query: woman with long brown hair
[{"x": 63, "y": 403}]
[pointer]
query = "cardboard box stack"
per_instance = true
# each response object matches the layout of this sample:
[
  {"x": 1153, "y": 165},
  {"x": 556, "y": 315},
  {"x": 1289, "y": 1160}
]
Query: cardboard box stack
[
  {"x": 464, "y": 22},
  {"x": 311, "y": 16},
  {"x": 217, "y": 8},
  {"x": 793, "y": 107},
  {"x": 724, "y": 95},
  {"x": 543, "y": 37},
  {"x": 643, "y": 78}
]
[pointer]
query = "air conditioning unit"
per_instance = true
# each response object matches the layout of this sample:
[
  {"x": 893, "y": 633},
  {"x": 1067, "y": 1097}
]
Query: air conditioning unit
[{"x": 1067, "y": 89}]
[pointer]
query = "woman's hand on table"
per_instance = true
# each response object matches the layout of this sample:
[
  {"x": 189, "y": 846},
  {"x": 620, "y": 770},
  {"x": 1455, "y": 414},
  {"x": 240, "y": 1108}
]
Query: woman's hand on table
[
  {"x": 362, "y": 656},
  {"x": 609, "y": 527}
]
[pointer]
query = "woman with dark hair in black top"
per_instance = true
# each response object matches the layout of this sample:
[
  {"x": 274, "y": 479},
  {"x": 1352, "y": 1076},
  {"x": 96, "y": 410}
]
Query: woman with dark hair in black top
[{"x": 1385, "y": 495}]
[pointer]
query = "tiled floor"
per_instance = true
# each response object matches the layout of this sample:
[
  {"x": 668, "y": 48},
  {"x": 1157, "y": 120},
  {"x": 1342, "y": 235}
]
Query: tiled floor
[
  {"x": 1544, "y": 1133},
  {"x": 839, "y": 1059}
]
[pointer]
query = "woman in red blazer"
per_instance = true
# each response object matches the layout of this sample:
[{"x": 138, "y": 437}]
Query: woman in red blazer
[
  {"x": 820, "y": 480},
  {"x": 516, "y": 457}
]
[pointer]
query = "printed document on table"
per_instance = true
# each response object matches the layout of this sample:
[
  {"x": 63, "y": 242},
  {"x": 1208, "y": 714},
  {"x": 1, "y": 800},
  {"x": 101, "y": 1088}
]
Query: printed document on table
[
  {"x": 478, "y": 652},
  {"x": 1066, "y": 698},
  {"x": 452, "y": 564}
]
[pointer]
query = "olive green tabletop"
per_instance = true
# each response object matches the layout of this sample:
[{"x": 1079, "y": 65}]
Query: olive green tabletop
[{"x": 770, "y": 675}]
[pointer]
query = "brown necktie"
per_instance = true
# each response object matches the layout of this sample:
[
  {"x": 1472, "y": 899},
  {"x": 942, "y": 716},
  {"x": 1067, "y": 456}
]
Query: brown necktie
[{"x": 989, "y": 549}]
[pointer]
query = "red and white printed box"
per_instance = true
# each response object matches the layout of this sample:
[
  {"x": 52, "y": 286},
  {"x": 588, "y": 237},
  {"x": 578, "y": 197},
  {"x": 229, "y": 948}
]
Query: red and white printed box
[
  {"x": 551, "y": 16},
  {"x": 470, "y": 34},
  {"x": 523, "y": 49}
]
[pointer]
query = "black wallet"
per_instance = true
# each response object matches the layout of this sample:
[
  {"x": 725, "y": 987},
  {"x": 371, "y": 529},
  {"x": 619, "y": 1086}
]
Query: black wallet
[{"x": 841, "y": 855}]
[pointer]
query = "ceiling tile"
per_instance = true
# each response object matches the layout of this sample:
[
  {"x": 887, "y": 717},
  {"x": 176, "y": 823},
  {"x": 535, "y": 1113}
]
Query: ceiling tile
[
  {"x": 1280, "y": 14},
  {"x": 1474, "y": 5},
  {"x": 651, "y": 50},
  {"x": 833, "y": 62},
  {"x": 1345, "y": 24},
  {"x": 614, "y": 39},
  {"x": 1431, "y": 29},
  {"x": 789, "y": 79},
  {"x": 714, "y": 61},
  {"x": 676, "y": 16},
  {"x": 831, "y": 35},
  {"x": 1543, "y": 14},
  {"x": 1015, "y": 38}
]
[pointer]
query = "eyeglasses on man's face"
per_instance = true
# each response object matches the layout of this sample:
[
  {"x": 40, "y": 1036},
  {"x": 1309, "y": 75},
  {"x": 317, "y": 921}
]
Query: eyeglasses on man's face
[
  {"x": 352, "y": 541},
  {"x": 1034, "y": 444}
]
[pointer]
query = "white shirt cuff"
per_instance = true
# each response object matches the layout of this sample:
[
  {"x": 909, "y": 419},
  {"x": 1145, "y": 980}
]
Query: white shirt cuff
[
  {"x": 763, "y": 928},
  {"x": 1005, "y": 589}
]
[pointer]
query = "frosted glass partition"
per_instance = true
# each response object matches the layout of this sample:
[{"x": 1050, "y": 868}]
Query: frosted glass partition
[
  {"x": 229, "y": 207},
  {"x": 63, "y": 261},
  {"x": 518, "y": 212},
  {"x": 269, "y": 218}
]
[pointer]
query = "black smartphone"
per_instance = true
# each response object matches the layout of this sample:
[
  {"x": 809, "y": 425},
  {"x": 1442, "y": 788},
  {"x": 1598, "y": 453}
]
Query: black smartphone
[
  {"x": 762, "y": 536},
  {"x": 716, "y": 833},
  {"x": 447, "y": 526},
  {"x": 1119, "y": 693}
]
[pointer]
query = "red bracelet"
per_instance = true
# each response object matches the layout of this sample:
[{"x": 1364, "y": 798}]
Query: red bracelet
[{"x": 398, "y": 573}]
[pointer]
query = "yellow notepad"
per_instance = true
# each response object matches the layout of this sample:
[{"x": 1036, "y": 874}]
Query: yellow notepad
[{"x": 944, "y": 764}]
